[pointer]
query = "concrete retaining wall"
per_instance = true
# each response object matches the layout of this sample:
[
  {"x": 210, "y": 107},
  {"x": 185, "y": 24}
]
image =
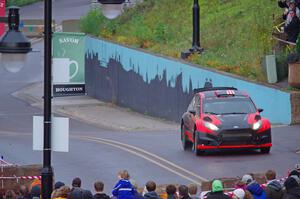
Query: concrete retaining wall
[{"x": 161, "y": 86}]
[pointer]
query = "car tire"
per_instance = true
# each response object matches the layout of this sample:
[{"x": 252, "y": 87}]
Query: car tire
[
  {"x": 195, "y": 150},
  {"x": 185, "y": 143},
  {"x": 265, "y": 150}
]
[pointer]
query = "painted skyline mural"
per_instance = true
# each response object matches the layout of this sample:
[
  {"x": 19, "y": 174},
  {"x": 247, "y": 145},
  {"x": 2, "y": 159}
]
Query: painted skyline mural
[{"x": 170, "y": 80}]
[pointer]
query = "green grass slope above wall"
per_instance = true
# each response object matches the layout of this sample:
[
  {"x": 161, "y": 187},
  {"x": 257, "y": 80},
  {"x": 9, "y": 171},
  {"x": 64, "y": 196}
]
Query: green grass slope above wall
[{"x": 236, "y": 34}]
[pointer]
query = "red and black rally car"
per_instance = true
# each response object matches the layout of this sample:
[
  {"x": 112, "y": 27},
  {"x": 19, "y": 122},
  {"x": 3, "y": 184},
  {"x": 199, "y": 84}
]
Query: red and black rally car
[{"x": 224, "y": 118}]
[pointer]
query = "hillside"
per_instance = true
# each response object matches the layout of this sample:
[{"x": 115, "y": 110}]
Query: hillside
[{"x": 235, "y": 34}]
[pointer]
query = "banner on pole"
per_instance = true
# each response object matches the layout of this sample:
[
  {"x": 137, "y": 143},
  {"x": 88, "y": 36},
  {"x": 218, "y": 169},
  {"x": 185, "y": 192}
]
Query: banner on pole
[
  {"x": 2, "y": 14},
  {"x": 68, "y": 64}
]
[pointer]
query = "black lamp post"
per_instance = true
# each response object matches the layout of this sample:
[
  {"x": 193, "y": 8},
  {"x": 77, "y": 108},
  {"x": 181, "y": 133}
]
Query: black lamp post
[
  {"x": 196, "y": 46},
  {"x": 47, "y": 171},
  {"x": 14, "y": 42}
]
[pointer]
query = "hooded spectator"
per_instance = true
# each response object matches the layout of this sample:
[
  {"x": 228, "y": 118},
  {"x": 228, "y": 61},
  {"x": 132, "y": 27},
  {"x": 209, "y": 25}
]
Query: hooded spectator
[
  {"x": 183, "y": 192},
  {"x": 292, "y": 189},
  {"x": 238, "y": 194},
  {"x": 253, "y": 187},
  {"x": 151, "y": 194},
  {"x": 292, "y": 28},
  {"x": 57, "y": 185},
  {"x": 217, "y": 191},
  {"x": 274, "y": 188},
  {"x": 193, "y": 191},
  {"x": 171, "y": 191},
  {"x": 35, "y": 192},
  {"x": 123, "y": 189},
  {"x": 99, "y": 187}
]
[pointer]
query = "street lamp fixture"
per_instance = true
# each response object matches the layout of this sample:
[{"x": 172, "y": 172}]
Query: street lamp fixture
[
  {"x": 14, "y": 45},
  {"x": 111, "y": 8},
  {"x": 196, "y": 46}
]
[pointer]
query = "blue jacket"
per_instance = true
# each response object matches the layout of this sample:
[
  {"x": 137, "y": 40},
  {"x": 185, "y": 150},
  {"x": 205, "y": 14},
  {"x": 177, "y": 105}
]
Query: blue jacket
[
  {"x": 123, "y": 190},
  {"x": 256, "y": 191}
]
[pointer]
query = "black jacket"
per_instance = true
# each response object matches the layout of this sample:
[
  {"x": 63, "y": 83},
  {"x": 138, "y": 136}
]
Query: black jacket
[
  {"x": 274, "y": 190},
  {"x": 292, "y": 29},
  {"x": 151, "y": 195},
  {"x": 101, "y": 196},
  {"x": 293, "y": 193},
  {"x": 217, "y": 195}
]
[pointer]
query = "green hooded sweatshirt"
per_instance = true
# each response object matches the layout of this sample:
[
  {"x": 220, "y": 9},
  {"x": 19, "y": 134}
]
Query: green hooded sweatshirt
[{"x": 217, "y": 186}]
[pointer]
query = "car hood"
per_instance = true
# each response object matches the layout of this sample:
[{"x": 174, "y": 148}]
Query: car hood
[{"x": 233, "y": 121}]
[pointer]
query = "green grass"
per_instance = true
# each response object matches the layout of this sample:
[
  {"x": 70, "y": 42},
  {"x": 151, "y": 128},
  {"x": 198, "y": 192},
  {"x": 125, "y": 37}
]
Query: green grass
[
  {"x": 20, "y": 2},
  {"x": 236, "y": 34}
]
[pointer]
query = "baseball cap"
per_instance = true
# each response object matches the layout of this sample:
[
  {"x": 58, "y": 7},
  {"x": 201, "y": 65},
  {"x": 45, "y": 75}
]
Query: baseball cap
[{"x": 247, "y": 179}]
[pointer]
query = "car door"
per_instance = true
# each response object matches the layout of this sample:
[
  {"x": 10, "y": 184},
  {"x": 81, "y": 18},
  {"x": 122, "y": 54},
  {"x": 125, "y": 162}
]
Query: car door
[{"x": 189, "y": 116}]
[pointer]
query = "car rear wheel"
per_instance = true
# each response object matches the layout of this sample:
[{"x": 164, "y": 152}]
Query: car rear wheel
[
  {"x": 185, "y": 143},
  {"x": 265, "y": 150},
  {"x": 197, "y": 151}
]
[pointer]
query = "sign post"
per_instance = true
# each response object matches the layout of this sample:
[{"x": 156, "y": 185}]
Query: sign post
[
  {"x": 68, "y": 64},
  {"x": 2, "y": 14}
]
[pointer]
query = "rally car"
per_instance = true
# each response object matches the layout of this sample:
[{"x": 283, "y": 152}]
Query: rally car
[{"x": 224, "y": 118}]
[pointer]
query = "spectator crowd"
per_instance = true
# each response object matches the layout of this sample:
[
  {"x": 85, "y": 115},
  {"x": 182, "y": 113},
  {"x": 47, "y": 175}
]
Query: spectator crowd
[
  {"x": 291, "y": 15},
  {"x": 246, "y": 188}
]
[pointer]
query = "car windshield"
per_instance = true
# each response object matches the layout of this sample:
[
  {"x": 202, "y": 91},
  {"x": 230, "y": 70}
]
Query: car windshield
[{"x": 228, "y": 105}]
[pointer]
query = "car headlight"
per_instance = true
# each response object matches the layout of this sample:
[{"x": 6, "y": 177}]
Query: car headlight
[
  {"x": 211, "y": 126},
  {"x": 256, "y": 125}
]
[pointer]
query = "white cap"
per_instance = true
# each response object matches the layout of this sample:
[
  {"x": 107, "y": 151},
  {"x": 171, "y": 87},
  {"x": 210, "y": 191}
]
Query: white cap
[
  {"x": 247, "y": 179},
  {"x": 239, "y": 193}
]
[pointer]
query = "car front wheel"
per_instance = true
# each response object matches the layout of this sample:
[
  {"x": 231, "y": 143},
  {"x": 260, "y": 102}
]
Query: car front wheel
[
  {"x": 185, "y": 143},
  {"x": 197, "y": 151}
]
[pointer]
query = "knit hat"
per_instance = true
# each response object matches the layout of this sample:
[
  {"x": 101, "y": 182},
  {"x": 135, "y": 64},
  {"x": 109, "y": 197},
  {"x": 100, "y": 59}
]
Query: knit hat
[
  {"x": 247, "y": 179},
  {"x": 239, "y": 193},
  {"x": 35, "y": 191},
  {"x": 217, "y": 186},
  {"x": 58, "y": 184}
]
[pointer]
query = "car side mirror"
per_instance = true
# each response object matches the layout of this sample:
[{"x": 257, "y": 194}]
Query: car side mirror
[
  {"x": 260, "y": 110},
  {"x": 192, "y": 112}
]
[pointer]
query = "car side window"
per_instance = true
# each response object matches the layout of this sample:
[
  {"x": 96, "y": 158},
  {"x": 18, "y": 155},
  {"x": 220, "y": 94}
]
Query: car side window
[
  {"x": 192, "y": 105},
  {"x": 197, "y": 105}
]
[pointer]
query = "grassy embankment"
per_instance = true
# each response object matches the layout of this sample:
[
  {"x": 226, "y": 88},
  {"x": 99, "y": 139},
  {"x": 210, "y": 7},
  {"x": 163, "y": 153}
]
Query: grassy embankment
[
  {"x": 236, "y": 34},
  {"x": 20, "y": 2}
]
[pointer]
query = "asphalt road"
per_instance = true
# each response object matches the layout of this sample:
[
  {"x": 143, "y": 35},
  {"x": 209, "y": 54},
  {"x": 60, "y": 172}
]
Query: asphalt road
[{"x": 93, "y": 159}]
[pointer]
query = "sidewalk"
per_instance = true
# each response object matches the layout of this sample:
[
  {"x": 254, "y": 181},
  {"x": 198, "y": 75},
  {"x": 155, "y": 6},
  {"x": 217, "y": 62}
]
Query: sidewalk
[{"x": 95, "y": 112}]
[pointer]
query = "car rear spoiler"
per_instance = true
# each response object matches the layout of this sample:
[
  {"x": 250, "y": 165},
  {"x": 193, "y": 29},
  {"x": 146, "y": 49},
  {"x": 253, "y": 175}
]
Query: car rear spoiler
[{"x": 197, "y": 90}]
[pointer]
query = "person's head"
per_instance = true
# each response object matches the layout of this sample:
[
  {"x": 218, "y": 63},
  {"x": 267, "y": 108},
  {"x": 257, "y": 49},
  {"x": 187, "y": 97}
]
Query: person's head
[
  {"x": 294, "y": 173},
  {"x": 10, "y": 194},
  {"x": 292, "y": 4},
  {"x": 217, "y": 186},
  {"x": 247, "y": 179},
  {"x": 238, "y": 194},
  {"x": 183, "y": 191},
  {"x": 270, "y": 175},
  {"x": 76, "y": 182},
  {"x": 192, "y": 189},
  {"x": 150, "y": 186},
  {"x": 171, "y": 189},
  {"x": 35, "y": 182},
  {"x": 292, "y": 12},
  {"x": 24, "y": 190},
  {"x": 290, "y": 183},
  {"x": 35, "y": 192},
  {"x": 63, "y": 192},
  {"x": 58, "y": 184},
  {"x": 123, "y": 174},
  {"x": 99, "y": 186}
]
